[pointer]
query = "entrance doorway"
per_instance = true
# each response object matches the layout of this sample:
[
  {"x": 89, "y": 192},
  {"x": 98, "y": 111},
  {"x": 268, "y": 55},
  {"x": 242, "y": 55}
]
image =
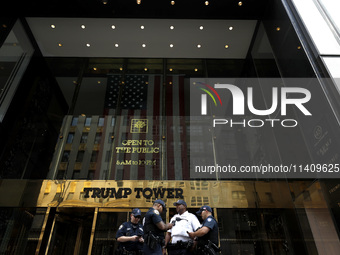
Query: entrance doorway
[
  {"x": 74, "y": 231},
  {"x": 71, "y": 231}
]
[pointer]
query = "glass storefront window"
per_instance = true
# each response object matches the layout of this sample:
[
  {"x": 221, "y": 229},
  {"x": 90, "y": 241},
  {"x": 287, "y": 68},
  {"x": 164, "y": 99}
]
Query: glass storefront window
[{"x": 15, "y": 55}]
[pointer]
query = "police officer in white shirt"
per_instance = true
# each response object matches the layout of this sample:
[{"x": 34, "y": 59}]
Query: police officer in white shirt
[{"x": 177, "y": 240}]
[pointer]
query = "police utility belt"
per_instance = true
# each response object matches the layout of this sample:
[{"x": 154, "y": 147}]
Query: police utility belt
[
  {"x": 125, "y": 252},
  {"x": 153, "y": 240},
  {"x": 208, "y": 249},
  {"x": 180, "y": 245}
]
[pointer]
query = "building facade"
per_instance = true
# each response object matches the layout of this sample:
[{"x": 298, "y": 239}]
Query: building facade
[{"x": 97, "y": 117}]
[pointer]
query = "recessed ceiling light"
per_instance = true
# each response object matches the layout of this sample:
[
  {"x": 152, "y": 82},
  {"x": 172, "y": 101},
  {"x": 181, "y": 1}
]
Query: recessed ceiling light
[
  {"x": 170, "y": 82},
  {"x": 278, "y": 29},
  {"x": 226, "y": 46},
  {"x": 95, "y": 68},
  {"x": 116, "y": 45},
  {"x": 52, "y": 26},
  {"x": 113, "y": 27},
  {"x": 199, "y": 45},
  {"x": 171, "y": 45},
  {"x": 172, "y": 2},
  {"x": 99, "y": 82},
  {"x": 143, "y": 45},
  {"x": 231, "y": 28},
  {"x": 145, "y": 69},
  {"x": 139, "y": 1},
  {"x": 88, "y": 45},
  {"x": 206, "y": 2},
  {"x": 82, "y": 26},
  {"x": 60, "y": 45},
  {"x": 196, "y": 69},
  {"x": 201, "y": 27},
  {"x": 121, "y": 68},
  {"x": 104, "y": 2},
  {"x": 240, "y": 3},
  {"x": 172, "y": 27},
  {"x": 170, "y": 69},
  {"x": 141, "y": 27}
]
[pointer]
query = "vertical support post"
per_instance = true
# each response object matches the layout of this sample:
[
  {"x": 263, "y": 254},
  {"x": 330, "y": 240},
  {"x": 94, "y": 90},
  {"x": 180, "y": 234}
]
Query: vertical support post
[
  {"x": 51, "y": 233},
  {"x": 42, "y": 230},
  {"x": 93, "y": 230}
]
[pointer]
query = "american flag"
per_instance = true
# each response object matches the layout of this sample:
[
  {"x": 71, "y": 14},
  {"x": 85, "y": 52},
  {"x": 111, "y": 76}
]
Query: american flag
[
  {"x": 142, "y": 98},
  {"x": 134, "y": 92}
]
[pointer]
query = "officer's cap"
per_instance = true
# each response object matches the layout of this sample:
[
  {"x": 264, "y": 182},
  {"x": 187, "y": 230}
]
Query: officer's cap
[
  {"x": 136, "y": 212},
  {"x": 161, "y": 202},
  {"x": 204, "y": 207},
  {"x": 180, "y": 202}
]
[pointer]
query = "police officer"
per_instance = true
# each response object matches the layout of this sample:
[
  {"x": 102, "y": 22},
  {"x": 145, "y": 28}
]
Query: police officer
[
  {"x": 154, "y": 229},
  {"x": 130, "y": 235},
  {"x": 177, "y": 240},
  {"x": 207, "y": 235}
]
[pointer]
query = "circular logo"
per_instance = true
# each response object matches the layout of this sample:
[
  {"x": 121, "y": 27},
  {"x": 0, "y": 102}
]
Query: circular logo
[{"x": 318, "y": 132}]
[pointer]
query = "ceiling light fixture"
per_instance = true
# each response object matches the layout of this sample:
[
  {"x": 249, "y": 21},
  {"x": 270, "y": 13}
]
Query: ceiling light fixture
[
  {"x": 60, "y": 45},
  {"x": 226, "y": 46},
  {"x": 95, "y": 68},
  {"x": 104, "y": 2},
  {"x": 199, "y": 45},
  {"x": 170, "y": 69},
  {"x": 121, "y": 68},
  {"x": 139, "y": 1},
  {"x": 172, "y": 27},
  {"x": 145, "y": 69},
  {"x": 278, "y": 29},
  {"x": 201, "y": 27},
  {"x": 240, "y": 3},
  {"x": 82, "y": 26},
  {"x": 113, "y": 27},
  {"x": 52, "y": 26},
  {"x": 196, "y": 69},
  {"x": 206, "y": 3},
  {"x": 143, "y": 45},
  {"x": 231, "y": 28},
  {"x": 171, "y": 45},
  {"x": 141, "y": 27},
  {"x": 172, "y": 2},
  {"x": 116, "y": 45},
  {"x": 88, "y": 45}
]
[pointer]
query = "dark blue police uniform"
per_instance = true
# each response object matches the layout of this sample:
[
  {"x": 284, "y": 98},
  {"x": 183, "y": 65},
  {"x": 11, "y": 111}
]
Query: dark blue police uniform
[
  {"x": 212, "y": 235},
  {"x": 130, "y": 229},
  {"x": 152, "y": 217}
]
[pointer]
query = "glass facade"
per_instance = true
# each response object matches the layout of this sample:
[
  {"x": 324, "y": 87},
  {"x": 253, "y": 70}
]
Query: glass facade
[{"x": 86, "y": 138}]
